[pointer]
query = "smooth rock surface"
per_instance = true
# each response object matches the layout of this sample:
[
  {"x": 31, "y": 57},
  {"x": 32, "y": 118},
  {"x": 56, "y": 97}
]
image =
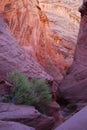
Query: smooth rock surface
[{"x": 77, "y": 122}]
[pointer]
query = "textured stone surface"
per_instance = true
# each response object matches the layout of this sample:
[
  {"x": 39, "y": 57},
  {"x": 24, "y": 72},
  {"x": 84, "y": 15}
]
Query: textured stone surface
[
  {"x": 27, "y": 115},
  {"x": 27, "y": 22},
  {"x": 77, "y": 122},
  {"x": 33, "y": 33},
  {"x": 74, "y": 86},
  {"x": 7, "y": 125},
  {"x": 53, "y": 109},
  {"x": 48, "y": 39},
  {"x": 48, "y": 33},
  {"x": 64, "y": 20},
  {"x": 13, "y": 57}
]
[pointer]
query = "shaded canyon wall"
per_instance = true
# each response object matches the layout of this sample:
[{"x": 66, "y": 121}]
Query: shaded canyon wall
[{"x": 74, "y": 87}]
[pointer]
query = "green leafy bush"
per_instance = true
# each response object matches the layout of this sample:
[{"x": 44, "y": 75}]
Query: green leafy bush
[{"x": 30, "y": 92}]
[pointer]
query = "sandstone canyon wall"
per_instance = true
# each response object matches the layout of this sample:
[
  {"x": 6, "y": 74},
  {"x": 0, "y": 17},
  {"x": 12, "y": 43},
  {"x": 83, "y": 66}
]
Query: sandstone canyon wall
[
  {"x": 43, "y": 40},
  {"x": 33, "y": 31},
  {"x": 74, "y": 87},
  {"x": 36, "y": 34},
  {"x": 29, "y": 25},
  {"x": 64, "y": 21},
  {"x": 13, "y": 57}
]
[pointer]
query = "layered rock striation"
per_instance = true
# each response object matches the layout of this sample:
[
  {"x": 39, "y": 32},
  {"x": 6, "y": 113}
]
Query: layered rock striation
[
  {"x": 27, "y": 22},
  {"x": 26, "y": 115},
  {"x": 74, "y": 86},
  {"x": 47, "y": 30},
  {"x": 64, "y": 21},
  {"x": 13, "y": 57},
  {"x": 7, "y": 125},
  {"x": 76, "y": 122}
]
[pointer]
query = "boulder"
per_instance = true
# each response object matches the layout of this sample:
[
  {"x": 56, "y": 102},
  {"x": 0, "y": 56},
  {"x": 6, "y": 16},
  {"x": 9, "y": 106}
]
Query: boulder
[
  {"x": 27, "y": 115},
  {"x": 7, "y": 125},
  {"x": 76, "y": 122}
]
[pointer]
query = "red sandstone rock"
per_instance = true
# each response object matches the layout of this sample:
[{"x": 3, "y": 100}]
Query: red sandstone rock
[
  {"x": 27, "y": 115},
  {"x": 50, "y": 43},
  {"x": 7, "y": 125},
  {"x": 74, "y": 86},
  {"x": 64, "y": 20},
  {"x": 13, "y": 57},
  {"x": 28, "y": 23}
]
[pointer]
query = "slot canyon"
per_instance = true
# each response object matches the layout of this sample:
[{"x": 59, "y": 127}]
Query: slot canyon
[{"x": 43, "y": 39}]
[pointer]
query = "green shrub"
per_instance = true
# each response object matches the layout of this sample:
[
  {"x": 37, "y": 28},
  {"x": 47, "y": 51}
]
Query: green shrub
[{"x": 30, "y": 92}]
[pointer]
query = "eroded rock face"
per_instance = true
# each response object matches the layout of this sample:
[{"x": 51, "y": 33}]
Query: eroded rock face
[
  {"x": 13, "y": 57},
  {"x": 74, "y": 87},
  {"x": 50, "y": 41},
  {"x": 7, "y": 125},
  {"x": 27, "y": 115},
  {"x": 64, "y": 21},
  {"x": 29, "y": 24}
]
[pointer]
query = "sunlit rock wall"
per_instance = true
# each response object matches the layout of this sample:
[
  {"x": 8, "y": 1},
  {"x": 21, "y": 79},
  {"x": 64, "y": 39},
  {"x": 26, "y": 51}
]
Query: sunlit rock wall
[
  {"x": 64, "y": 21},
  {"x": 49, "y": 43}
]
